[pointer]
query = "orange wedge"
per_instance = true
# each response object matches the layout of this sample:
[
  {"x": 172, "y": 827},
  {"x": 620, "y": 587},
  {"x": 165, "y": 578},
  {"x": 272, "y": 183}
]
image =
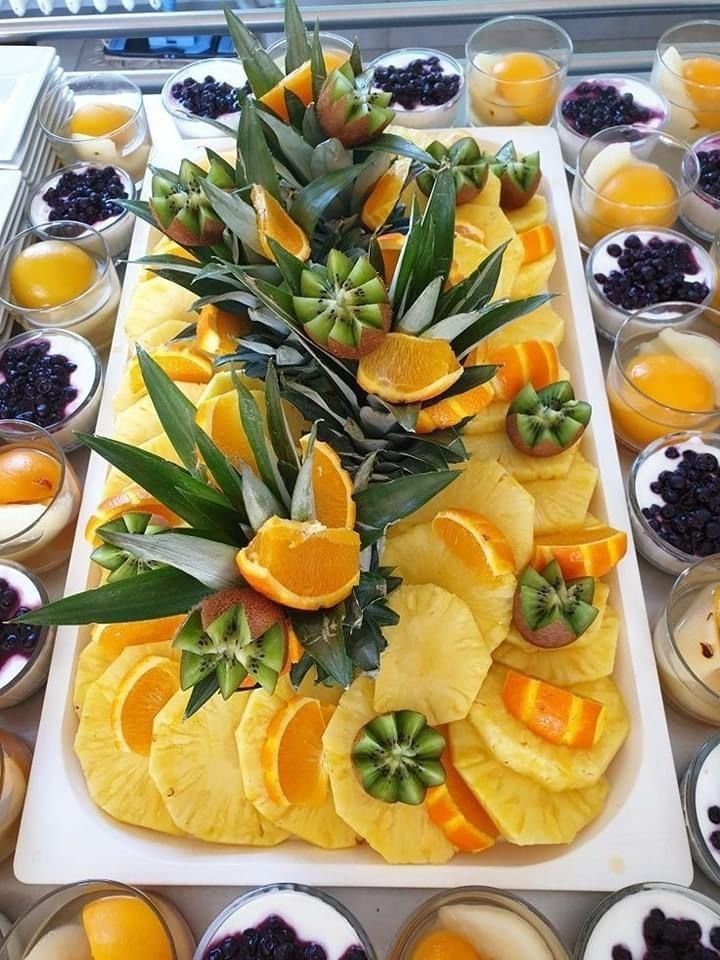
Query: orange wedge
[
  {"x": 273, "y": 221},
  {"x": 299, "y": 82},
  {"x": 219, "y": 417},
  {"x": 133, "y": 499},
  {"x": 405, "y": 369},
  {"x": 115, "y": 637},
  {"x": 28, "y": 476},
  {"x": 292, "y": 754},
  {"x": 383, "y": 198},
  {"x": 587, "y": 552},
  {"x": 455, "y": 809},
  {"x": 181, "y": 364},
  {"x": 120, "y": 927},
  {"x": 558, "y": 716},
  {"x": 537, "y": 242},
  {"x": 477, "y": 542},
  {"x": 332, "y": 487},
  {"x": 453, "y": 410},
  {"x": 391, "y": 245},
  {"x": 304, "y": 566},
  {"x": 218, "y": 330},
  {"x": 531, "y": 361},
  {"x": 142, "y": 695}
]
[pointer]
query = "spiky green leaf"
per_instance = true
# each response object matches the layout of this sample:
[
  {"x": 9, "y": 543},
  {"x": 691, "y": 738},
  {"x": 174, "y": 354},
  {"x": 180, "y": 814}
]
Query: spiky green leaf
[
  {"x": 317, "y": 62},
  {"x": 471, "y": 377},
  {"x": 236, "y": 213},
  {"x": 256, "y": 156},
  {"x": 296, "y": 151},
  {"x": 322, "y": 636},
  {"x": 381, "y": 504},
  {"x": 175, "y": 412},
  {"x": 494, "y": 316},
  {"x": 309, "y": 204},
  {"x": 279, "y": 430},
  {"x": 302, "y": 507},
  {"x": 290, "y": 267},
  {"x": 400, "y": 147},
  {"x": 208, "y": 561},
  {"x": 260, "y": 503},
  {"x": 201, "y": 693},
  {"x": 475, "y": 290},
  {"x": 262, "y": 71},
  {"x": 298, "y": 46},
  {"x": 254, "y": 428},
  {"x": 451, "y": 327},
  {"x": 421, "y": 312}
]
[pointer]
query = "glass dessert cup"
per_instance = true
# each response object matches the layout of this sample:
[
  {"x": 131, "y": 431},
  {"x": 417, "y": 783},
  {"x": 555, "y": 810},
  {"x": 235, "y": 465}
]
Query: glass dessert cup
[
  {"x": 638, "y": 416},
  {"x": 424, "y": 115},
  {"x": 313, "y": 915},
  {"x": 68, "y": 920},
  {"x": 686, "y": 70},
  {"x": 102, "y": 120},
  {"x": 89, "y": 313},
  {"x": 700, "y": 793},
  {"x": 25, "y": 650},
  {"x": 36, "y": 532},
  {"x": 512, "y": 81},
  {"x": 609, "y": 316},
  {"x": 220, "y": 69},
  {"x": 115, "y": 230},
  {"x": 336, "y": 49},
  {"x": 715, "y": 257},
  {"x": 496, "y": 905},
  {"x": 701, "y": 210},
  {"x": 15, "y": 760},
  {"x": 637, "y": 161}
]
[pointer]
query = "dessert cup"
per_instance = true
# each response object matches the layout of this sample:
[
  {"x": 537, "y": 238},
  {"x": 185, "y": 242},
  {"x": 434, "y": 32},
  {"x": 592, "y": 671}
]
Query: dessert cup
[
  {"x": 330, "y": 42},
  {"x": 700, "y": 794},
  {"x": 15, "y": 760},
  {"x": 695, "y": 98},
  {"x": 425, "y": 115},
  {"x": 701, "y": 210},
  {"x": 25, "y": 650},
  {"x": 222, "y": 69}
]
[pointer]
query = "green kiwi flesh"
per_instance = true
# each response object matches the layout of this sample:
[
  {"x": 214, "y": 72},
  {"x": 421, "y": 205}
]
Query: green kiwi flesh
[
  {"x": 543, "y": 423},
  {"x": 549, "y": 612}
]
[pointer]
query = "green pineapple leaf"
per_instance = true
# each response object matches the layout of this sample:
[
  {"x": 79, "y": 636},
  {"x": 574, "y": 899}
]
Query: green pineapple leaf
[
  {"x": 322, "y": 636},
  {"x": 451, "y": 327},
  {"x": 364, "y": 473},
  {"x": 175, "y": 412},
  {"x": 254, "y": 428},
  {"x": 381, "y": 504},
  {"x": 223, "y": 472},
  {"x": 317, "y": 62},
  {"x": 366, "y": 612},
  {"x": 296, "y": 152},
  {"x": 356, "y": 59},
  {"x": 201, "y": 693},
  {"x": 280, "y": 435},
  {"x": 311, "y": 129},
  {"x": 308, "y": 205},
  {"x": 400, "y": 147},
  {"x": 295, "y": 108},
  {"x": 289, "y": 266},
  {"x": 262, "y": 71},
  {"x": 420, "y": 314},
  {"x": 492, "y": 317},
  {"x": 260, "y": 504},
  {"x": 471, "y": 377},
  {"x": 257, "y": 159},
  {"x": 302, "y": 507},
  {"x": 475, "y": 290},
  {"x": 237, "y": 214},
  {"x": 298, "y": 46},
  {"x": 440, "y": 212}
]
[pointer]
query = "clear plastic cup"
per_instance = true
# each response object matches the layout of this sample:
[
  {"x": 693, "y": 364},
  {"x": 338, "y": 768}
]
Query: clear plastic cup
[{"x": 687, "y": 71}]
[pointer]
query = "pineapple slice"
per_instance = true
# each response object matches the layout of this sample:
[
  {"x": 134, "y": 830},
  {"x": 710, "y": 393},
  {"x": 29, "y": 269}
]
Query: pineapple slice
[
  {"x": 564, "y": 666},
  {"x": 489, "y": 420},
  {"x": 533, "y": 277},
  {"x": 497, "y": 446},
  {"x": 139, "y": 422},
  {"x": 487, "y": 488},
  {"x": 524, "y": 812},
  {"x": 562, "y": 504},
  {"x": 554, "y": 767},
  {"x": 118, "y": 780},
  {"x": 195, "y": 766},
  {"x": 532, "y": 214},
  {"x": 154, "y": 303},
  {"x": 495, "y": 227},
  {"x": 420, "y": 557},
  {"x": 397, "y": 831},
  {"x": 317, "y": 824},
  {"x": 159, "y": 445},
  {"x": 436, "y": 658},
  {"x": 542, "y": 324},
  {"x": 585, "y": 640},
  {"x": 163, "y": 333}
]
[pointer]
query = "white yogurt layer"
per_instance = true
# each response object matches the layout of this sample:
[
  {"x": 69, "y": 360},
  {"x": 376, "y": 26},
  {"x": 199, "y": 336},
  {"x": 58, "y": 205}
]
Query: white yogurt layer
[
  {"x": 29, "y": 529},
  {"x": 652, "y": 466},
  {"x": 424, "y": 115},
  {"x": 29, "y": 597},
  {"x": 701, "y": 212},
  {"x": 707, "y": 794}
]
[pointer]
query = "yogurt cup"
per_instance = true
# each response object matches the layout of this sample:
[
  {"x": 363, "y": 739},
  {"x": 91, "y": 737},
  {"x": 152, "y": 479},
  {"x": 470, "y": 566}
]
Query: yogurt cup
[
  {"x": 15, "y": 760},
  {"x": 190, "y": 125},
  {"x": 23, "y": 669},
  {"x": 701, "y": 211},
  {"x": 694, "y": 104},
  {"x": 424, "y": 116},
  {"x": 700, "y": 796}
]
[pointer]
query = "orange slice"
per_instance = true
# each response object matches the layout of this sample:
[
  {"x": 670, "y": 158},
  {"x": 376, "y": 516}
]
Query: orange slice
[
  {"x": 305, "y": 566},
  {"x": 273, "y": 221},
  {"x": 218, "y": 330},
  {"x": 405, "y": 369},
  {"x": 119, "y": 927},
  {"x": 332, "y": 487},
  {"x": 383, "y": 198},
  {"x": 28, "y": 476},
  {"x": 468, "y": 253},
  {"x": 133, "y": 499},
  {"x": 537, "y": 243},
  {"x": 476, "y": 541},
  {"x": 587, "y": 552},
  {"x": 115, "y": 637},
  {"x": 219, "y": 417},
  {"x": 455, "y": 809},
  {"x": 443, "y": 945},
  {"x": 453, "y": 410},
  {"x": 558, "y": 716},
  {"x": 292, "y": 755},
  {"x": 391, "y": 245},
  {"x": 181, "y": 364},
  {"x": 299, "y": 81},
  {"x": 531, "y": 361},
  {"x": 142, "y": 695}
]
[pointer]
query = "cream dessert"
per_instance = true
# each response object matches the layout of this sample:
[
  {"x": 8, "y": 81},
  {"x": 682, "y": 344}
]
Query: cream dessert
[
  {"x": 52, "y": 379},
  {"x": 700, "y": 791},
  {"x": 105, "y": 131},
  {"x": 690, "y": 80},
  {"x": 425, "y": 86},
  {"x": 25, "y": 648},
  {"x": 15, "y": 759},
  {"x": 480, "y": 932},
  {"x": 701, "y": 210},
  {"x": 513, "y": 87},
  {"x": 211, "y": 89}
]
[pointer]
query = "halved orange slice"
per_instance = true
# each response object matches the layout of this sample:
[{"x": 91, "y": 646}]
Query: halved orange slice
[
  {"x": 537, "y": 242},
  {"x": 405, "y": 369},
  {"x": 273, "y": 221},
  {"x": 476, "y": 541},
  {"x": 133, "y": 499},
  {"x": 455, "y": 809},
  {"x": 181, "y": 364},
  {"x": 453, "y": 410},
  {"x": 114, "y": 637},
  {"x": 142, "y": 695},
  {"x": 292, "y": 755},
  {"x": 332, "y": 487},
  {"x": 218, "y": 330},
  {"x": 299, "y": 82},
  {"x": 587, "y": 552}
]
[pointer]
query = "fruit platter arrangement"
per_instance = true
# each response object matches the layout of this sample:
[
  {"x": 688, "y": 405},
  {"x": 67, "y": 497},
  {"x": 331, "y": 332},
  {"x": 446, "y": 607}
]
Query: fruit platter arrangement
[{"x": 344, "y": 600}]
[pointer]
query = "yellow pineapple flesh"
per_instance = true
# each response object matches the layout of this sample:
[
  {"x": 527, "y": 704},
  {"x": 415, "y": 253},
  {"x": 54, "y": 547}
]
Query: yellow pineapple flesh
[
  {"x": 532, "y": 214},
  {"x": 497, "y": 446},
  {"x": 542, "y": 324},
  {"x": 562, "y": 504},
  {"x": 155, "y": 303},
  {"x": 533, "y": 278}
]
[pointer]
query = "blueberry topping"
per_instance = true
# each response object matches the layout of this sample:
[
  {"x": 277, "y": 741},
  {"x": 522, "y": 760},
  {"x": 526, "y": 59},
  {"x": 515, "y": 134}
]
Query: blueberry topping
[
  {"x": 594, "y": 106},
  {"x": 714, "y": 814},
  {"x": 208, "y": 97},
  {"x": 273, "y": 939},
  {"x": 88, "y": 196},
  {"x": 422, "y": 82},
  {"x": 14, "y": 637},
  {"x": 710, "y": 172},
  {"x": 36, "y": 384},
  {"x": 670, "y": 938}
]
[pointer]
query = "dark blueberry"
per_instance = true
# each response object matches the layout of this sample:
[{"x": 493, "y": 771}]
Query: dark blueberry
[
  {"x": 614, "y": 250},
  {"x": 715, "y": 839},
  {"x": 36, "y": 385},
  {"x": 250, "y": 941},
  {"x": 285, "y": 951},
  {"x": 620, "y": 952},
  {"x": 672, "y": 453},
  {"x": 715, "y": 937},
  {"x": 313, "y": 951},
  {"x": 653, "y": 927},
  {"x": 215, "y": 954},
  {"x": 354, "y": 953},
  {"x": 229, "y": 949}
]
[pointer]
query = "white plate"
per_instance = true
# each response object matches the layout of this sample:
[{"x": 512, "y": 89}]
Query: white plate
[
  {"x": 23, "y": 71},
  {"x": 641, "y": 833}
]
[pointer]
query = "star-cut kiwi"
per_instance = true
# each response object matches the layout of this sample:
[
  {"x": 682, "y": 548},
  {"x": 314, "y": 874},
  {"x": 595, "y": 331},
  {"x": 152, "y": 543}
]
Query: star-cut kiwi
[
  {"x": 119, "y": 561},
  {"x": 397, "y": 757},
  {"x": 543, "y": 423},
  {"x": 349, "y": 109},
  {"x": 467, "y": 162},
  {"x": 519, "y": 176},
  {"x": 550, "y": 612},
  {"x": 180, "y": 206}
]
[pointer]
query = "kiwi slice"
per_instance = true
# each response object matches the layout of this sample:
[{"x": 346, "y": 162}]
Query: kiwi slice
[
  {"x": 519, "y": 177},
  {"x": 543, "y": 423},
  {"x": 350, "y": 109},
  {"x": 549, "y": 612},
  {"x": 180, "y": 206},
  {"x": 343, "y": 305},
  {"x": 119, "y": 561},
  {"x": 397, "y": 757},
  {"x": 467, "y": 162}
]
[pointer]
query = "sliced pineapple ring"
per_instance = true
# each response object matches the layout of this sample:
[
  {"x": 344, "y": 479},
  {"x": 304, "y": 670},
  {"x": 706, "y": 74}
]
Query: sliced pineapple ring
[
  {"x": 563, "y": 504},
  {"x": 159, "y": 445},
  {"x": 420, "y": 557},
  {"x": 118, "y": 780},
  {"x": 542, "y": 324},
  {"x": 554, "y": 767},
  {"x": 564, "y": 666},
  {"x": 436, "y": 658},
  {"x": 524, "y": 812},
  {"x": 195, "y": 766},
  {"x": 587, "y": 639},
  {"x": 398, "y": 832},
  {"x": 320, "y": 825},
  {"x": 139, "y": 422},
  {"x": 490, "y": 419},
  {"x": 533, "y": 278},
  {"x": 532, "y": 214},
  {"x": 497, "y": 446}
]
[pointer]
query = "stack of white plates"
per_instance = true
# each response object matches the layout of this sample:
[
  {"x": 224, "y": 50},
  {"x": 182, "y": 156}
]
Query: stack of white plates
[{"x": 13, "y": 200}]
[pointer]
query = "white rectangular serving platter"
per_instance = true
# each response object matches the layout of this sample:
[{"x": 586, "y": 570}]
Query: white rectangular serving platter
[{"x": 641, "y": 833}]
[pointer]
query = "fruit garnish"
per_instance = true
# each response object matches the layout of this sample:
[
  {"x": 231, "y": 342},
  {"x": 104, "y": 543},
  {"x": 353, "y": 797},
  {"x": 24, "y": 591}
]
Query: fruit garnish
[
  {"x": 391, "y": 245},
  {"x": 406, "y": 369},
  {"x": 710, "y": 172},
  {"x": 86, "y": 196},
  {"x": 114, "y": 637},
  {"x": 537, "y": 243},
  {"x": 119, "y": 561},
  {"x": 476, "y": 541},
  {"x": 349, "y": 109},
  {"x": 588, "y": 552},
  {"x": 301, "y": 564},
  {"x": 36, "y": 383},
  {"x": 594, "y": 106},
  {"x": 180, "y": 206},
  {"x": 397, "y": 757},
  {"x": 131, "y": 499},
  {"x": 556, "y": 715},
  {"x": 468, "y": 164},
  {"x": 531, "y": 361},
  {"x": 468, "y": 253},
  {"x": 236, "y": 634},
  {"x": 28, "y": 476},
  {"x": 292, "y": 755},
  {"x": 218, "y": 330},
  {"x": 455, "y": 809},
  {"x": 207, "y": 97},
  {"x": 422, "y": 82},
  {"x": 343, "y": 306},
  {"x": 549, "y": 612},
  {"x": 50, "y": 273},
  {"x": 443, "y": 945},
  {"x": 453, "y": 410},
  {"x": 274, "y": 223},
  {"x": 384, "y": 196},
  {"x": 542, "y": 423},
  {"x": 332, "y": 487},
  {"x": 184, "y": 364},
  {"x": 525, "y": 80},
  {"x": 141, "y": 696},
  {"x": 118, "y": 927},
  {"x": 671, "y": 380},
  {"x": 98, "y": 119},
  {"x": 299, "y": 82},
  {"x": 219, "y": 417},
  {"x": 519, "y": 177}
]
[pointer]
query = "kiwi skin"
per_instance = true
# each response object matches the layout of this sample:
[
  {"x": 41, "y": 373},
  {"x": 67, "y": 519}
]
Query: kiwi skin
[
  {"x": 564, "y": 626},
  {"x": 546, "y": 422},
  {"x": 261, "y": 613}
]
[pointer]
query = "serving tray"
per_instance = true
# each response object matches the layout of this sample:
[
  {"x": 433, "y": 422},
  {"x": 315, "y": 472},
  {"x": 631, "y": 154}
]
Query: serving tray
[{"x": 640, "y": 835}]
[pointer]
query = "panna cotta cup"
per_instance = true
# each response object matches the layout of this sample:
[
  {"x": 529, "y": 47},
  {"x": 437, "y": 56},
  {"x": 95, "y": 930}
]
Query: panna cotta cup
[
  {"x": 427, "y": 86},
  {"x": 25, "y": 649},
  {"x": 79, "y": 188},
  {"x": 52, "y": 378},
  {"x": 626, "y": 923},
  {"x": 618, "y": 288},
  {"x": 287, "y": 911},
  {"x": 631, "y": 177},
  {"x": 39, "y": 497},
  {"x": 701, "y": 210},
  {"x": 336, "y": 50},
  {"x": 480, "y": 915},
  {"x": 686, "y": 70},
  {"x": 217, "y": 77},
  {"x": 101, "y": 120},
  {"x": 588, "y": 105},
  {"x": 516, "y": 68},
  {"x": 700, "y": 796},
  {"x": 15, "y": 761},
  {"x": 92, "y": 307},
  {"x": 84, "y": 919}
]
